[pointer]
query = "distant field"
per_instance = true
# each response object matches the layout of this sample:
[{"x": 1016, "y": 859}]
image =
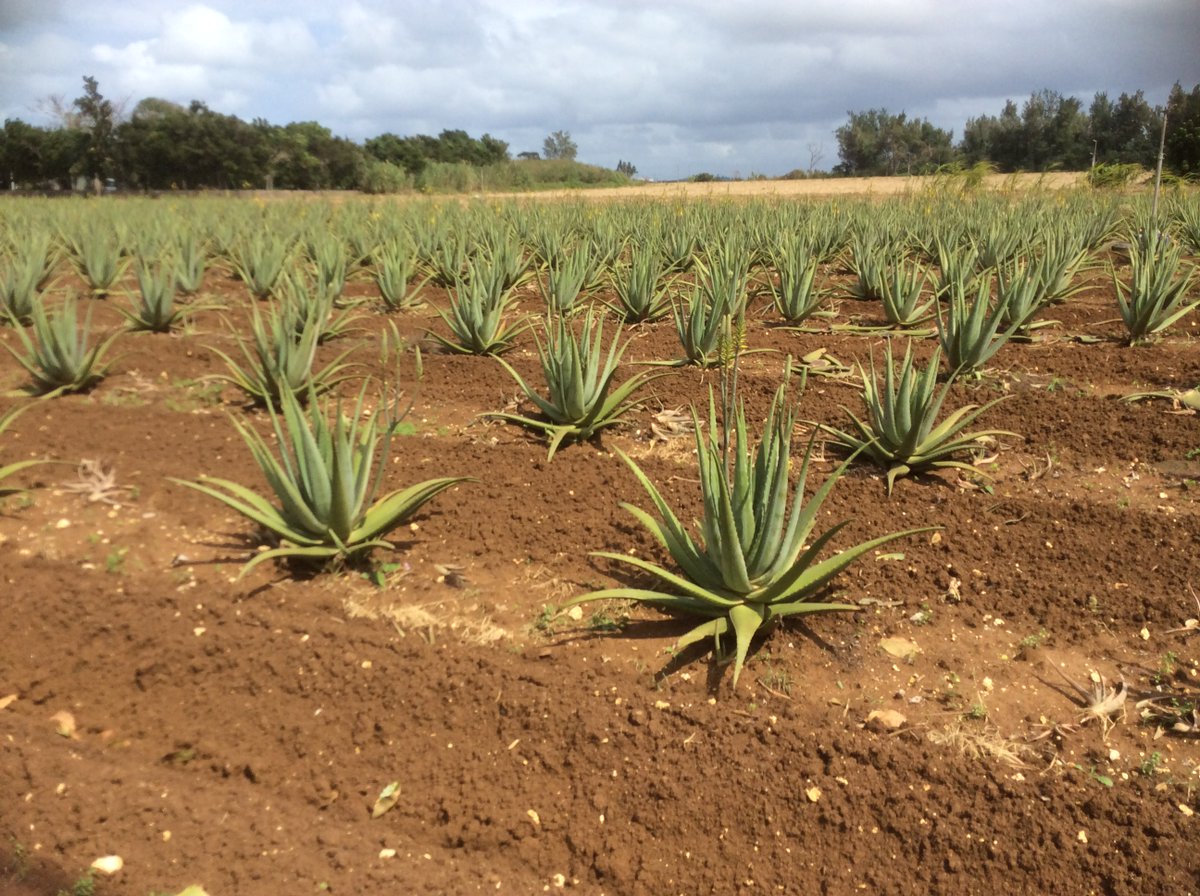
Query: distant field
[{"x": 833, "y": 186}]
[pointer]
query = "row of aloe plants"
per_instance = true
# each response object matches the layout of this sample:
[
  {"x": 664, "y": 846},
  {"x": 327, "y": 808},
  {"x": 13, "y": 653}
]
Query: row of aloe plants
[{"x": 637, "y": 254}]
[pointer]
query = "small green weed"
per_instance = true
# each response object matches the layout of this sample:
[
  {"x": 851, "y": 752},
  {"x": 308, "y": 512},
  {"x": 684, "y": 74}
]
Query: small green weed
[
  {"x": 546, "y": 620},
  {"x": 977, "y": 713},
  {"x": 114, "y": 563},
  {"x": 1029, "y": 642},
  {"x": 381, "y": 574},
  {"x": 84, "y": 886},
  {"x": 604, "y": 621},
  {"x": 1149, "y": 766},
  {"x": 1166, "y": 668},
  {"x": 1104, "y": 780}
]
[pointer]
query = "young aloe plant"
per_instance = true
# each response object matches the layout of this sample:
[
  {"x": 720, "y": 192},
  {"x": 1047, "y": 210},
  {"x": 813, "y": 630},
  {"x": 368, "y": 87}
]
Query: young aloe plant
[
  {"x": 95, "y": 252},
  {"x": 795, "y": 298},
  {"x": 25, "y": 271},
  {"x": 261, "y": 262},
  {"x": 869, "y": 260},
  {"x": 327, "y": 259},
  {"x": 755, "y": 561},
  {"x": 191, "y": 258},
  {"x": 903, "y": 285},
  {"x": 641, "y": 287},
  {"x": 477, "y": 315},
  {"x": 569, "y": 277},
  {"x": 970, "y": 330},
  {"x": 1021, "y": 294},
  {"x": 325, "y": 480},
  {"x": 395, "y": 267},
  {"x": 899, "y": 432},
  {"x": 1156, "y": 295},
  {"x": 59, "y": 357},
  {"x": 154, "y": 309},
  {"x": 582, "y": 395},
  {"x": 279, "y": 360}
]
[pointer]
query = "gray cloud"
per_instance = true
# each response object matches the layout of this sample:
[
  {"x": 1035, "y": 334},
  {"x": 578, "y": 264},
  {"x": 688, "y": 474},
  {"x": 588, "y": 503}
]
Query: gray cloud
[{"x": 676, "y": 86}]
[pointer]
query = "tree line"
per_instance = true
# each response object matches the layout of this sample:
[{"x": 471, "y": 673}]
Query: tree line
[
  {"x": 1048, "y": 131},
  {"x": 163, "y": 145}
]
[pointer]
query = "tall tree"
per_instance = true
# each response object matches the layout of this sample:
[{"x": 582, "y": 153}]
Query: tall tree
[
  {"x": 559, "y": 145},
  {"x": 97, "y": 117},
  {"x": 21, "y": 147},
  {"x": 1182, "y": 152}
]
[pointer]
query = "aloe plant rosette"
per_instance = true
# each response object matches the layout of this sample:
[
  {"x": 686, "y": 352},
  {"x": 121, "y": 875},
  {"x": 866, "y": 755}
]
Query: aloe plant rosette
[
  {"x": 899, "y": 432},
  {"x": 325, "y": 484},
  {"x": 583, "y": 395},
  {"x": 755, "y": 561}
]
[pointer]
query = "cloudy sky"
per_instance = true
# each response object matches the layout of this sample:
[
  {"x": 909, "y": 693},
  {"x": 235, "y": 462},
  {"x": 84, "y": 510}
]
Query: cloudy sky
[{"x": 675, "y": 86}]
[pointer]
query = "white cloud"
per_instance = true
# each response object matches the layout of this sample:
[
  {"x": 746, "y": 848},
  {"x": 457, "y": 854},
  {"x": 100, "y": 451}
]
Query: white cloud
[{"x": 676, "y": 86}]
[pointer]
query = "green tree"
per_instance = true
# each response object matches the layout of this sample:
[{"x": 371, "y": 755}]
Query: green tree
[
  {"x": 877, "y": 142},
  {"x": 97, "y": 117},
  {"x": 1125, "y": 131},
  {"x": 1182, "y": 152},
  {"x": 21, "y": 147},
  {"x": 559, "y": 145}
]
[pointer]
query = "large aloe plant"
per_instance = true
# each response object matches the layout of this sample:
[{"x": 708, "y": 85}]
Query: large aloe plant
[{"x": 755, "y": 561}]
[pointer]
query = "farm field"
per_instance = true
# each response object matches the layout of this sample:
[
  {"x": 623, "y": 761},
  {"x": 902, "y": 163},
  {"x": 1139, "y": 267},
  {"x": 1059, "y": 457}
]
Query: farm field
[{"x": 1014, "y": 696}]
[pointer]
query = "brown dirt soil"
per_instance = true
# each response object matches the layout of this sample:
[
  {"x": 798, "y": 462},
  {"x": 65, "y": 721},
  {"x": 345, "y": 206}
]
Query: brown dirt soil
[{"x": 236, "y": 732}]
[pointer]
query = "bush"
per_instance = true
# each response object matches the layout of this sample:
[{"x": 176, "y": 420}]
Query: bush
[
  {"x": 385, "y": 177},
  {"x": 1114, "y": 176}
]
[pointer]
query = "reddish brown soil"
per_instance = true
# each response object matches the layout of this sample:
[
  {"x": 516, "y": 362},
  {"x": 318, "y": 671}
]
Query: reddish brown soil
[{"x": 236, "y": 733}]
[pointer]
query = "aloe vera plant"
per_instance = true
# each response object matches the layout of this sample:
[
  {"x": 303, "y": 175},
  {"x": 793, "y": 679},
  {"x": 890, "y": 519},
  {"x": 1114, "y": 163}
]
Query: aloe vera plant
[
  {"x": 154, "y": 309},
  {"x": 1156, "y": 295},
  {"x": 1021, "y": 293},
  {"x": 755, "y": 562},
  {"x": 191, "y": 259},
  {"x": 583, "y": 396},
  {"x": 396, "y": 265},
  {"x": 95, "y": 251},
  {"x": 60, "y": 356},
  {"x": 969, "y": 331},
  {"x": 327, "y": 259},
  {"x": 261, "y": 262},
  {"x": 478, "y": 313},
  {"x": 279, "y": 360},
  {"x": 795, "y": 298},
  {"x": 304, "y": 301},
  {"x": 325, "y": 481},
  {"x": 869, "y": 260},
  {"x": 569, "y": 277},
  {"x": 719, "y": 296},
  {"x": 19, "y": 289},
  {"x": 901, "y": 431},
  {"x": 641, "y": 287},
  {"x": 903, "y": 285},
  {"x": 25, "y": 270}
]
